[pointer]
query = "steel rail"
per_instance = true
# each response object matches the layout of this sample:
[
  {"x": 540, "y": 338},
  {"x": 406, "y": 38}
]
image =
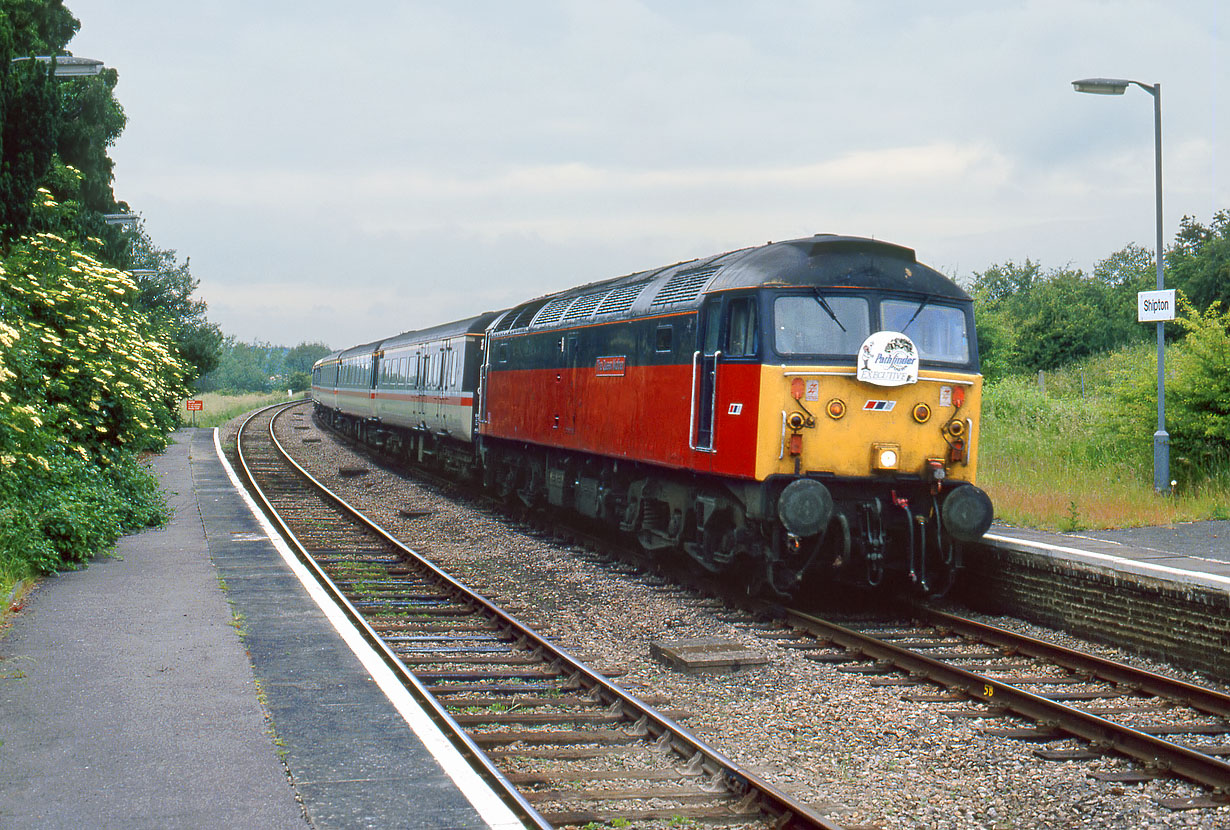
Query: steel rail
[
  {"x": 785, "y": 811},
  {"x": 452, "y": 730},
  {"x": 1198, "y": 697},
  {"x": 1154, "y": 752}
]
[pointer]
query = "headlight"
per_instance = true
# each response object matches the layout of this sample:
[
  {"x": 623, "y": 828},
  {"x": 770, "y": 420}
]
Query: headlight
[{"x": 885, "y": 456}]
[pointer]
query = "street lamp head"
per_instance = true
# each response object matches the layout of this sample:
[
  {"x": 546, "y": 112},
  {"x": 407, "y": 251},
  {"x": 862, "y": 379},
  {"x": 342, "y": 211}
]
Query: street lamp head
[
  {"x": 128, "y": 220},
  {"x": 1101, "y": 86},
  {"x": 67, "y": 66}
]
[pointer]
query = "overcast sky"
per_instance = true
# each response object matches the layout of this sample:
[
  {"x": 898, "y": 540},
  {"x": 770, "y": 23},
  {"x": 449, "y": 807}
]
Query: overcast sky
[{"x": 342, "y": 172}]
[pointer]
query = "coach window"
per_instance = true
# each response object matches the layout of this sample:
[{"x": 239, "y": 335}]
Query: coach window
[
  {"x": 741, "y": 327},
  {"x": 664, "y": 339}
]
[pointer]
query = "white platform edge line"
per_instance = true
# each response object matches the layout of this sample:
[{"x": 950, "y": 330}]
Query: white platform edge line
[
  {"x": 490, "y": 807},
  {"x": 1105, "y": 558}
]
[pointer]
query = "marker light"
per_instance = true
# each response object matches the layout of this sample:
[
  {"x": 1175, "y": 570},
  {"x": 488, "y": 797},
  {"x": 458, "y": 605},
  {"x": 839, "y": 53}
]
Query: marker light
[
  {"x": 922, "y": 413},
  {"x": 836, "y": 408},
  {"x": 955, "y": 428}
]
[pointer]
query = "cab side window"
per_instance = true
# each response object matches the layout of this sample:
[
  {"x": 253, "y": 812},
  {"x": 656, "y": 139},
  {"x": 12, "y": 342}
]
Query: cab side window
[{"x": 741, "y": 327}]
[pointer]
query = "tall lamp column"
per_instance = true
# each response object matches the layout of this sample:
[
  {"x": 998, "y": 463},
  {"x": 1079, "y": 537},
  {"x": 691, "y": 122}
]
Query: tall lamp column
[{"x": 1161, "y": 438}]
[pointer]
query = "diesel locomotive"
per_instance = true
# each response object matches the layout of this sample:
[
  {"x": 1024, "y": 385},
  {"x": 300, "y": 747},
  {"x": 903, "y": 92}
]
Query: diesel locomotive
[{"x": 791, "y": 415}]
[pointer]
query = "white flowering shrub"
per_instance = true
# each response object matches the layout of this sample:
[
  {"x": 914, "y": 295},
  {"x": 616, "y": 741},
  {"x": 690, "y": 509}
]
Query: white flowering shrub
[{"x": 86, "y": 384}]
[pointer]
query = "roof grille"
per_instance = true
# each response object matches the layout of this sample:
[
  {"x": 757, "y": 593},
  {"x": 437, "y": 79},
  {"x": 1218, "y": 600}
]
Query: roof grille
[
  {"x": 506, "y": 321},
  {"x": 552, "y": 311},
  {"x": 584, "y": 306},
  {"x": 683, "y": 286},
  {"x": 620, "y": 299}
]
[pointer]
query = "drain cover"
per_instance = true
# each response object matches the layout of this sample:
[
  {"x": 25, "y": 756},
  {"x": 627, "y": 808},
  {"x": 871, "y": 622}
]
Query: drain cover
[{"x": 706, "y": 654}]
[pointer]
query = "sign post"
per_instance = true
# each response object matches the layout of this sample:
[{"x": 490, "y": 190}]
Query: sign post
[
  {"x": 195, "y": 406},
  {"x": 1158, "y": 307}
]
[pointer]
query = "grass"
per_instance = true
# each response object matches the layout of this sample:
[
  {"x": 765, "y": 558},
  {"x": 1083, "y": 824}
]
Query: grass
[
  {"x": 220, "y": 408},
  {"x": 1076, "y": 457}
]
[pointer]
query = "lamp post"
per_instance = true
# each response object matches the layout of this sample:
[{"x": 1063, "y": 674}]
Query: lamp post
[
  {"x": 67, "y": 66},
  {"x": 1161, "y": 438}
]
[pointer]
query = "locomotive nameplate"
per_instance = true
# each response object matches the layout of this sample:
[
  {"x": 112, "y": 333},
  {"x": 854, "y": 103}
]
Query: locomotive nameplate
[{"x": 611, "y": 366}]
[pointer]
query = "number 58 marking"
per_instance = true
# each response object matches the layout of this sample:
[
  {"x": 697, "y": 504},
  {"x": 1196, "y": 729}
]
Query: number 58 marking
[{"x": 988, "y": 690}]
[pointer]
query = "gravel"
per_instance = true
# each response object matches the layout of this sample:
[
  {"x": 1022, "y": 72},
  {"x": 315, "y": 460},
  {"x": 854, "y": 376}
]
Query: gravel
[{"x": 856, "y": 752}]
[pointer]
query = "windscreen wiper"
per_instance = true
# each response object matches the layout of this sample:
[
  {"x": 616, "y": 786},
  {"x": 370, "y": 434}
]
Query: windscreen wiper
[
  {"x": 829, "y": 309},
  {"x": 914, "y": 316}
]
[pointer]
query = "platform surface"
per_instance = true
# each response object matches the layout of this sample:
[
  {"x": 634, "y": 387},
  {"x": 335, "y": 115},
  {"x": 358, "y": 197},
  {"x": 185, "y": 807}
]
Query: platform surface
[
  {"x": 1194, "y": 553},
  {"x": 190, "y": 681}
]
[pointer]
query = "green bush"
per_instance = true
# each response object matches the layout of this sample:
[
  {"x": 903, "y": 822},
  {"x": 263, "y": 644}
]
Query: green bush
[
  {"x": 74, "y": 509},
  {"x": 1198, "y": 399}
]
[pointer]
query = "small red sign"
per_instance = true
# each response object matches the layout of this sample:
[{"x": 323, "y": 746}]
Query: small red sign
[
  {"x": 196, "y": 406},
  {"x": 610, "y": 367}
]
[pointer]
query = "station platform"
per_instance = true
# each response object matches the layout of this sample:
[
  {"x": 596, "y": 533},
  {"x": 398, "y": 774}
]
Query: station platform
[
  {"x": 1194, "y": 553},
  {"x": 1161, "y": 592},
  {"x": 192, "y": 680}
]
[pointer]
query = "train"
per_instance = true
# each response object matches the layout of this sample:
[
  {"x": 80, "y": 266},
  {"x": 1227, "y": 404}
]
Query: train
[{"x": 788, "y": 416}]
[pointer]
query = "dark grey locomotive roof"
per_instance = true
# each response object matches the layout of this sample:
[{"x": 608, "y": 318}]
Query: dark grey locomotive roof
[{"x": 822, "y": 261}]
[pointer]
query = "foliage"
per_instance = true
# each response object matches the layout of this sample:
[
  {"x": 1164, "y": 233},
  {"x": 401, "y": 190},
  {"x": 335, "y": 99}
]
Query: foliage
[
  {"x": 51, "y": 125},
  {"x": 1201, "y": 408},
  {"x": 1080, "y": 454},
  {"x": 166, "y": 286},
  {"x": 86, "y": 383},
  {"x": 303, "y": 357},
  {"x": 29, "y": 118},
  {"x": 61, "y": 515},
  {"x": 81, "y": 365},
  {"x": 1199, "y": 262},
  {"x": 262, "y": 367},
  {"x": 1029, "y": 319},
  {"x": 1197, "y": 395}
]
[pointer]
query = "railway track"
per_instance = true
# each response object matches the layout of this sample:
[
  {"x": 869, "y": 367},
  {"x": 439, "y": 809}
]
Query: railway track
[
  {"x": 1166, "y": 726},
  {"x": 563, "y": 743}
]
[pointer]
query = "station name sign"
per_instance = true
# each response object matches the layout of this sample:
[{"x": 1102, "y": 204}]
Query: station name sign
[{"x": 1155, "y": 306}]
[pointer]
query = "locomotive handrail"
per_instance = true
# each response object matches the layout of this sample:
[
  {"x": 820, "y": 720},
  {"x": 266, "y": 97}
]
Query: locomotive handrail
[
  {"x": 692, "y": 425},
  {"x": 717, "y": 356}
]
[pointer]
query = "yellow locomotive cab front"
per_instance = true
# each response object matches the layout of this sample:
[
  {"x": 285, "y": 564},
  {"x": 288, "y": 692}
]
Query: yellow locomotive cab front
[{"x": 820, "y": 420}]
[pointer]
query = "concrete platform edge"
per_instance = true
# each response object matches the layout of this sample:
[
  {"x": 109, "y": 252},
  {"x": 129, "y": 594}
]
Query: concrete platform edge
[
  {"x": 1110, "y": 563},
  {"x": 485, "y": 801}
]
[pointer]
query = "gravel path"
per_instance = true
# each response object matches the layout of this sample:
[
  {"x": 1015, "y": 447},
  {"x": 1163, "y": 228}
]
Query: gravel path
[{"x": 854, "y": 751}]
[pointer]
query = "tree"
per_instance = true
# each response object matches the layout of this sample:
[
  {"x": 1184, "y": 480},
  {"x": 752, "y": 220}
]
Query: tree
[
  {"x": 29, "y": 120},
  {"x": 303, "y": 357},
  {"x": 1198, "y": 264},
  {"x": 1069, "y": 317},
  {"x": 86, "y": 383},
  {"x": 56, "y": 133},
  {"x": 242, "y": 367},
  {"x": 999, "y": 294},
  {"x": 1000, "y": 283},
  {"x": 166, "y": 296}
]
